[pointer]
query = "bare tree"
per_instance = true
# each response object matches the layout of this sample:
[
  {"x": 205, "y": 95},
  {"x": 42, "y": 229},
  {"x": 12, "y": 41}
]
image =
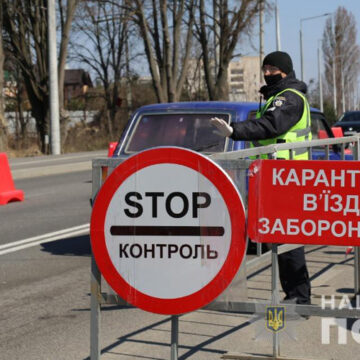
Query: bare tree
[
  {"x": 25, "y": 26},
  {"x": 3, "y": 127},
  {"x": 102, "y": 29},
  {"x": 166, "y": 28},
  {"x": 15, "y": 99},
  {"x": 222, "y": 22},
  {"x": 341, "y": 57}
]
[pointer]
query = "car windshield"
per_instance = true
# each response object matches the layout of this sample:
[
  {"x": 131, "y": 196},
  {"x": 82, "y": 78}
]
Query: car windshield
[{"x": 192, "y": 131}]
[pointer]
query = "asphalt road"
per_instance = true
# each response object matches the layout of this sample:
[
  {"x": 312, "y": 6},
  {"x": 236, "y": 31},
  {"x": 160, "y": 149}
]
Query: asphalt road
[
  {"x": 51, "y": 203},
  {"x": 42, "y": 285}
]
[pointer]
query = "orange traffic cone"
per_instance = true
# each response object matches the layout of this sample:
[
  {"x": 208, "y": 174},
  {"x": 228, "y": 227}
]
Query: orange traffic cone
[
  {"x": 8, "y": 193},
  {"x": 111, "y": 148}
]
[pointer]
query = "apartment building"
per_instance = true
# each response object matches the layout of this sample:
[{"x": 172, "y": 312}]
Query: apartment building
[{"x": 243, "y": 78}]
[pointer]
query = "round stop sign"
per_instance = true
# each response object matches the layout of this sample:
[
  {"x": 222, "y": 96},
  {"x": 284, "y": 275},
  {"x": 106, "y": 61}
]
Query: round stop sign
[{"x": 168, "y": 230}]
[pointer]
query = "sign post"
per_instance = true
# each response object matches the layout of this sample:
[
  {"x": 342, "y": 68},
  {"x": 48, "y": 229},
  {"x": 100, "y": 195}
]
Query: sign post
[{"x": 168, "y": 230}]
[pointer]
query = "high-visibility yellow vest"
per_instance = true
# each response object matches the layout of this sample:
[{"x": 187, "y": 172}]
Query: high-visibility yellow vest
[{"x": 301, "y": 131}]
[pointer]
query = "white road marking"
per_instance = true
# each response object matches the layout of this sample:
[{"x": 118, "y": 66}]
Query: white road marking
[
  {"x": 69, "y": 157},
  {"x": 41, "y": 239},
  {"x": 50, "y": 170}
]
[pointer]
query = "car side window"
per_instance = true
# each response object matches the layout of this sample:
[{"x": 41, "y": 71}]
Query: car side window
[
  {"x": 318, "y": 129},
  {"x": 350, "y": 117}
]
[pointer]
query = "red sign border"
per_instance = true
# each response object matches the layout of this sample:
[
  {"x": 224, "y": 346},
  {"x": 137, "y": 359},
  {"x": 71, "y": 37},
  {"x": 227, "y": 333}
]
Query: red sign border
[{"x": 228, "y": 191}]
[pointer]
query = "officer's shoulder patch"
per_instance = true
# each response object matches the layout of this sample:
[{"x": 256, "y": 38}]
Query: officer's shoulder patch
[{"x": 279, "y": 101}]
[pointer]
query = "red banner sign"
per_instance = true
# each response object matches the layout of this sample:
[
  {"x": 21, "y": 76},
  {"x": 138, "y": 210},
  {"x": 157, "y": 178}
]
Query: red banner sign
[{"x": 304, "y": 202}]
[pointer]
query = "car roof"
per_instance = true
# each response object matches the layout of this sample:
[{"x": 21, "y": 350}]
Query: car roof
[
  {"x": 219, "y": 105},
  {"x": 203, "y": 105}
]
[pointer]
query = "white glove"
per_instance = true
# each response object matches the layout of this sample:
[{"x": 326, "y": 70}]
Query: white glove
[{"x": 223, "y": 128}]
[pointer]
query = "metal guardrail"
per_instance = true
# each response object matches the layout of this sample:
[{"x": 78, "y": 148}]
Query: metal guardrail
[
  {"x": 305, "y": 310},
  {"x": 352, "y": 141},
  {"x": 236, "y": 164}
]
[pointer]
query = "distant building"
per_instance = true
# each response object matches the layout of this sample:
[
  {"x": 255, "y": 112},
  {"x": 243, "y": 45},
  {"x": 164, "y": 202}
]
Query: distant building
[
  {"x": 243, "y": 78},
  {"x": 76, "y": 84},
  {"x": 145, "y": 80}
]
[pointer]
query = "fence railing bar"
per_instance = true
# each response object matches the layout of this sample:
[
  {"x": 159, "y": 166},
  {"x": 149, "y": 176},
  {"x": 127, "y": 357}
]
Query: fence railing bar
[
  {"x": 251, "y": 307},
  {"x": 238, "y": 160}
]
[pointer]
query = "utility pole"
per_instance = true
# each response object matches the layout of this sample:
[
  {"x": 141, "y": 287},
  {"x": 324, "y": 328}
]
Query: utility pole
[
  {"x": 278, "y": 43},
  {"x": 261, "y": 33},
  {"x": 334, "y": 87},
  {"x": 342, "y": 86},
  {"x": 301, "y": 54},
  {"x": 320, "y": 80},
  {"x": 53, "y": 80}
]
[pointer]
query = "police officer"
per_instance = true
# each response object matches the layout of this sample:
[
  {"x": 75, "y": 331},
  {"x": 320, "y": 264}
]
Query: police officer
[{"x": 284, "y": 118}]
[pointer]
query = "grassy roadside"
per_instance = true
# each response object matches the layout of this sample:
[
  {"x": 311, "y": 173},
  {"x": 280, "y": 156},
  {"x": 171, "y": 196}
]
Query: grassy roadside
[{"x": 78, "y": 139}]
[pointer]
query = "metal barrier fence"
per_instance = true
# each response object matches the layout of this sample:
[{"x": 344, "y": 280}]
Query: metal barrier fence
[{"x": 236, "y": 164}]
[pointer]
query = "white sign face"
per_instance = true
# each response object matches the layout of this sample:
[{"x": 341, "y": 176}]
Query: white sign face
[
  {"x": 168, "y": 230},
  {"x": 173, "y": 196}
]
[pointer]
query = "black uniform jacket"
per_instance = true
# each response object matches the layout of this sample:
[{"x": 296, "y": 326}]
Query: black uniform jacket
[{"x": 284, "y": 112}]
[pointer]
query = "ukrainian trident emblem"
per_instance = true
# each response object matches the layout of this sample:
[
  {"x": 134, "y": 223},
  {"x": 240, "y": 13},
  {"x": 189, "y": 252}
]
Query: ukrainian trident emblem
[{"x": 275, "y": 318}]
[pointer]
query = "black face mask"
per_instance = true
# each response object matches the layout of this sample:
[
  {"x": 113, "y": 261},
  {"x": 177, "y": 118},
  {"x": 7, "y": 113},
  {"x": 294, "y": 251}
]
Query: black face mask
[{"x": 272, "y": 79}]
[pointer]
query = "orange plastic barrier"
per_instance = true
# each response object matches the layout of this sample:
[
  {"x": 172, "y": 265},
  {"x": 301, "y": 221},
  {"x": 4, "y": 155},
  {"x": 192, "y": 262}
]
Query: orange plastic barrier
[
  {"x": 337, "y": 131},
  {"x": 8, "y": 193},
  {"x": 322, "y": 134},
  {"x": 111, "y": 148}
]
